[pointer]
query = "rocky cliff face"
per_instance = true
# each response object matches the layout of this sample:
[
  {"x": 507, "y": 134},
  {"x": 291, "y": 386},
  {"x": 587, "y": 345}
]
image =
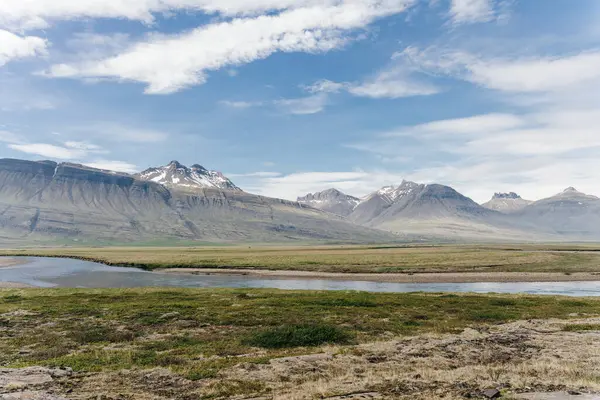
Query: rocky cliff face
[
  {"x": 507, "y": 203},
  {"x": 332, "y": 201}
]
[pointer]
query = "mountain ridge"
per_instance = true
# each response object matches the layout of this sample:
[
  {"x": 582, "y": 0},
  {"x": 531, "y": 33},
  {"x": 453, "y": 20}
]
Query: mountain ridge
[
  {"x": 178, "y": 176},
  {"x": 46, "y": 201}
]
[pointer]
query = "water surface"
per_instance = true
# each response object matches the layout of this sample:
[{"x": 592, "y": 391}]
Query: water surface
[{"x": 57, "y": 272}]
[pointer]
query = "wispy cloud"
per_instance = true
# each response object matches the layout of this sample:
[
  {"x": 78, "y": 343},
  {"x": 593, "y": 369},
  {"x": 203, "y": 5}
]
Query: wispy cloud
[
  {"x": 113, "y": 165},
  {"x": 170, "y": 63},
  {"x": 471, "y": 11},
  {"x": 241, "y": 104},
  {"x": 70, "y": 150},
  {"x": 398, "y": 79},
  {"x": 303, "y": 105}
]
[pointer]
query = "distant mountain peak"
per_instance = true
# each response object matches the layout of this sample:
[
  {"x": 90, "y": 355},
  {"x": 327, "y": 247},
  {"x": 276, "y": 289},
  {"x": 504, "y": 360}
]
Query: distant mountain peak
[
  {"x": 509, "y": 195},
  {"x": 177, "y": 176},
  {"x": 331, "y": 200},
  {"x": 392, "y": 193},
  {"x": 571, "y": 189},
  {"x": 506, "y": 202}
]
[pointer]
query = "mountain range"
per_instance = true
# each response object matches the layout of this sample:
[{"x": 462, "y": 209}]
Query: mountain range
[
  {"x": 48, "y": 202},
  {"x": 44, "y": 202},
  {"x": 440, "y": 212}
]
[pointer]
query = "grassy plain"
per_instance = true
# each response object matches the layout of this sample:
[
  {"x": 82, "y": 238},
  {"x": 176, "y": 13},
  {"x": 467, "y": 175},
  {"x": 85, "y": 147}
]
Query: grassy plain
[
  {"x": 217, "y": 343},
  {"x": 345, "y": 259}
]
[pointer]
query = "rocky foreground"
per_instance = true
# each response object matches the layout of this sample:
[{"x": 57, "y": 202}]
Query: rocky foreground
[{"x": 538, "y": 359}]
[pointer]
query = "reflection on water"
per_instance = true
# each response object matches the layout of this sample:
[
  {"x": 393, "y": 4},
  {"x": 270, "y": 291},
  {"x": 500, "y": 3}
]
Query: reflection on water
[{"x": 55, "y": 272}]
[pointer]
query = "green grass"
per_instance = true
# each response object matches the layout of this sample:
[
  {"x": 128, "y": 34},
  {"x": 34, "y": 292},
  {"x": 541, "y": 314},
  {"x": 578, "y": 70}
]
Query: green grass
[
  {"x": 197, "y": 333},
  {"x": 581, "y": 327},
  {"x": 286, "y": 336},
  {"x": 350, "y": 259}
]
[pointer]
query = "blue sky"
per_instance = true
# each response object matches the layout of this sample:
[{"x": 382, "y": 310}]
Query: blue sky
[{"x": 292, "y": 96}]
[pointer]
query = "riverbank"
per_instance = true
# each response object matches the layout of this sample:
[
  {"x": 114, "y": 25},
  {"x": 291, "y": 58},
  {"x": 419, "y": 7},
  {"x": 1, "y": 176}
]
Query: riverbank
[
  {"x": 269, "y": 344},
  {"x": 440, "y": 277},
  {"x": 14, "y": 285},
  {"x": 10, "y": 262}
]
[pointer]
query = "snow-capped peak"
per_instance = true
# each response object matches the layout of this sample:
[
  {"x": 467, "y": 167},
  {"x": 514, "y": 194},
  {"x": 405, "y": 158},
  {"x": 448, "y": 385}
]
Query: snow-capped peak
[
  {"x": 178, "y": 176},
  {"x": 393, "y": 193}
]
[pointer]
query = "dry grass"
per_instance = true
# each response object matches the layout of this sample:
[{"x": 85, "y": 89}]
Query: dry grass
[
  {"x": 183, "y": 343},
  {"x": 351, "y": 259}
]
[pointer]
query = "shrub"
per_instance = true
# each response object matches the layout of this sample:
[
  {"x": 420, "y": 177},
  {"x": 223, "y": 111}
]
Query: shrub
[{"x": 298, "y": 336}]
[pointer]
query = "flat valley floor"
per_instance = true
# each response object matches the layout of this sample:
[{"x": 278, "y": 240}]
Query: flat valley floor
[{"x": 158, "y": 343}]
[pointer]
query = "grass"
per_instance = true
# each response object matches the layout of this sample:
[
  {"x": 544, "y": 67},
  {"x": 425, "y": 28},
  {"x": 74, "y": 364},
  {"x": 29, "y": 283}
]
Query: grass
[
  {"x": 287, "y": 336},
  {"x": 197, "y": 333},
  {"x": 565, "y": 259},
  {"x": 581, "y": 327}
]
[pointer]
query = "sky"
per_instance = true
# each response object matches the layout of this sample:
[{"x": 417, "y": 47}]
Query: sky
[{"x": 288, "y": 97}]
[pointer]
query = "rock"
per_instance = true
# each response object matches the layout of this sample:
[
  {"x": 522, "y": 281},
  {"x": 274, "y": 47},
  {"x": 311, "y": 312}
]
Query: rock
[
  {"x": 556, "y": 396},
  {"x": 357, "y": 396},
  {"x": 30, "y": 396},
  {"x": 25, "y": 377},
  {"x": 491, "y": 393}
]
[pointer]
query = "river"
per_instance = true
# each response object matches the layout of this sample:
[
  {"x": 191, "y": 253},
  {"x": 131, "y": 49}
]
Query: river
[{"x": 69, "y": 273}]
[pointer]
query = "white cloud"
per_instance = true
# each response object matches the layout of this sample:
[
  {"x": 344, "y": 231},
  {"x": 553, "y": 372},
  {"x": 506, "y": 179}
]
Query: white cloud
[
  {"x": 14, "y": 47},
  {"x": 475, "y": 125},
  {"x": 398, "y": 79},
  {"x": 170, "y": 63},
  {"x": 471, "y": 11},
  {"x": 513, "y": 75},
  {"x": 259, "y": 174},
  {"x": 304, "y": 105},
  {"x": 325, "y": 86},
  {"x": 9, "y": 137},
  {"x": 30, "y": 14},
  {"x": 112, "y": 165},
  {"x": 49, "y": 150},
  {"x": 241, "y": 104},
  {"x": 297, "y": 184},
  {"x": 84, "y": 146},
  {"x": 387, "y": 86}
]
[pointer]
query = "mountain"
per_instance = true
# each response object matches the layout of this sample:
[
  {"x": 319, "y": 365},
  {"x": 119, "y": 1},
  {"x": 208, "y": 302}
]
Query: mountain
[
  {"x": 177, "y": 176},
  {"x": 570, "y": 213},
  {"x": 434, "y": 211},
  {"x": 46, "y": 202},
  {"x": 506, "y": 203},
  {"x": 332, "y": 201},
  {"x": 376, "y": 203}
]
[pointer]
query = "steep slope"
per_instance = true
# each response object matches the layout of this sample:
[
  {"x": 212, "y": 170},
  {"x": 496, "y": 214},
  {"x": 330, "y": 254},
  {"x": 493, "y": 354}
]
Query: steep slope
[
  {"x": 331, "y": 200},
  {"x": 65, "y": 202},
  {"x": 570, "y": 213},
  {"x": 435, "y": 210},
  {"x": 376, "y": 203},
  {"x": 506, "y": 203},
  {"x": 177, "y": 176}
]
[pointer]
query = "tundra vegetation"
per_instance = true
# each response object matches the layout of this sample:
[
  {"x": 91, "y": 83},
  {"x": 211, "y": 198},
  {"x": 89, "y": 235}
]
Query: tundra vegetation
[{"x": 225, "y": 343}]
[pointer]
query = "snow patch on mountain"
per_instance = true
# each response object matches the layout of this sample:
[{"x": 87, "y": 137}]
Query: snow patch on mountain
[{"x": 178, "y": 176}]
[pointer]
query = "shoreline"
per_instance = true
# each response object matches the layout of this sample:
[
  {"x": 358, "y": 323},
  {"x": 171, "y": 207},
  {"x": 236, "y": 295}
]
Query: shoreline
[
  {"x": 434, "y": 277},
  {"x": 6, "y": 262},
  {"x": 15, "y": 285}
]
